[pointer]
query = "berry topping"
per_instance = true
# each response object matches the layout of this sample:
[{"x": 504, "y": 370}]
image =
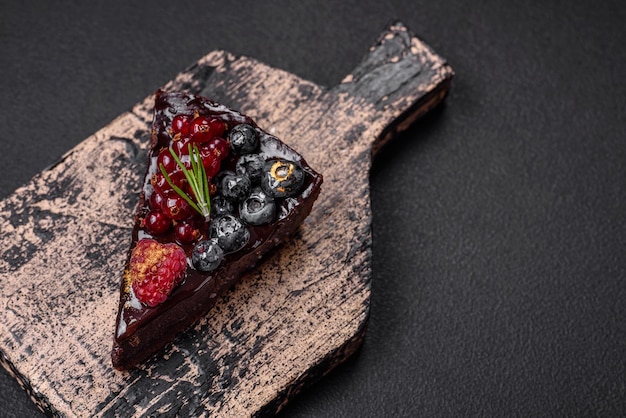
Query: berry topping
[
  {"x": 243, "y": 139},
  {"x": 156, "y": 223},
  {"x": 258, "y": 208},
  {"x": 230, "y": 232},
  {"x": 235, "y": 187},
  {"x": 154, "y": 270},
  {"x": 250, "y": 165},
  {"x": 207, "y": 255},
  {"x": 282, "y": 178}
]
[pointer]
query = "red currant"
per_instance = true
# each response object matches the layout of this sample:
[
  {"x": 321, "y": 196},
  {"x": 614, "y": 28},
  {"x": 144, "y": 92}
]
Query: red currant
[
  {"x": 181, "y": 146},
  {"x": 203, "y": 128},
  {"x": 186, "y": 231},
  {"x": 165, "y": 158},
  {"x": 218, "y": 127},
  {"x": 159, "y": 182},
  {"x": 180, "y": 124},
  {"x": 212, "y": 166},
  {"x": 210, "y": 161},
  {"x": 220, "y": 146},
  {"x": 156, "y": 198},
  {"x": 179, "y": 179},
  {"x": 156, "y": 223},
  {"x": 175, "y": 207}
]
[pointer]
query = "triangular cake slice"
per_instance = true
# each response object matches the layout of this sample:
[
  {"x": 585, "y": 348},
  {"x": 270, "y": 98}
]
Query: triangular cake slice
[{"x": 219, "y": 193}]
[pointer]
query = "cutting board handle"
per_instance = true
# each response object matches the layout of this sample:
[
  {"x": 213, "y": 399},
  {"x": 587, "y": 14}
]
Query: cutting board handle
[{"x": 401, "y": 77}]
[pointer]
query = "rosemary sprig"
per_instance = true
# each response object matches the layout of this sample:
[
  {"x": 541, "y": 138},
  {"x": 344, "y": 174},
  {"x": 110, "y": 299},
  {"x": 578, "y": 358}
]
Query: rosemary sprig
[{"x": 198, "y": 181}]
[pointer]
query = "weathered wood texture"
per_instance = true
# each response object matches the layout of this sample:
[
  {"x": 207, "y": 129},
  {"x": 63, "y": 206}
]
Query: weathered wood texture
[{"x": 294, "y": 318}]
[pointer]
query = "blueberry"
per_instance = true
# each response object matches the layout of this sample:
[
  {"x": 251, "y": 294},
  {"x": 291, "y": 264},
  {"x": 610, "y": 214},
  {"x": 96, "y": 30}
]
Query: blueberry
[
  {"x": 235, "y": 187},
  {"x": 243, "y": 139},
  {"x": 252, "y": 166},
  {"x": 258, "y": 208},
  {"x": 207, "y": 255},
  {"x": 217, "y": 179},
  {"x": 282, "y": 178},
  {"x": 230, "y": 232},
  {"x": 221, "y": 206}
]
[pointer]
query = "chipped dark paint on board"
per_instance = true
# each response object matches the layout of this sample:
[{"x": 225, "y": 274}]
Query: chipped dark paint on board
[{"x": 286, "y": 324}]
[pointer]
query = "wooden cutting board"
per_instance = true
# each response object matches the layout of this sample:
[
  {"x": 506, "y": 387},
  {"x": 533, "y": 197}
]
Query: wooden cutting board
[{"x": 299, "y": 314}]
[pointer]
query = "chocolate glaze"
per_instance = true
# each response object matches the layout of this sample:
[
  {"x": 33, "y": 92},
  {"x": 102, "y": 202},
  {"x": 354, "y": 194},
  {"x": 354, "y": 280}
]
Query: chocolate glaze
[{"x": 141, "y": 330}]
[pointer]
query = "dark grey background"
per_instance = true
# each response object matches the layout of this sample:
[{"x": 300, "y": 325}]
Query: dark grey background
[{"x": 499, "y": 220}]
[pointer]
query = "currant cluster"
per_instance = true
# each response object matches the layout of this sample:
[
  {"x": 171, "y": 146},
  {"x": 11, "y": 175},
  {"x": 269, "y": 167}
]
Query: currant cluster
[{"x": 168, "y": 208}]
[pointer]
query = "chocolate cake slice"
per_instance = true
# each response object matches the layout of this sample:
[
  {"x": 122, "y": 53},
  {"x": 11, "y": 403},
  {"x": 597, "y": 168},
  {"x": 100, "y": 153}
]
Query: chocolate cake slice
[{"x": 219, "y": 193}]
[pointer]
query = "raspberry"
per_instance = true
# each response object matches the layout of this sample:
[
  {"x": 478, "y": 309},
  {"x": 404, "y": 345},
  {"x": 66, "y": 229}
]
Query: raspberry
[{"x": 154, "y": 270}]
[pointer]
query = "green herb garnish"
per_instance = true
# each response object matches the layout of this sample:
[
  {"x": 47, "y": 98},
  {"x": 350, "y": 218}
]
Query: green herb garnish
[{"x": 197, "y": 179}]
